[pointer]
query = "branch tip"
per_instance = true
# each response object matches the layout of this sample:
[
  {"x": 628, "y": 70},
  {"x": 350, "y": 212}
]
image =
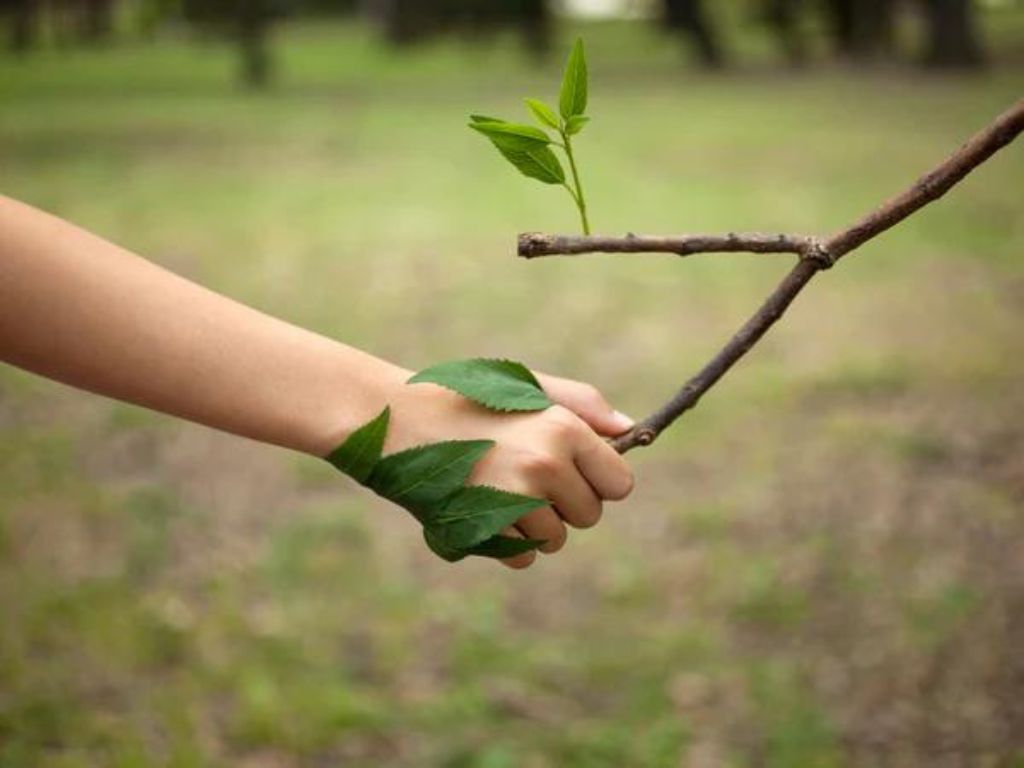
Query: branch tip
[{"x": 815, "y": 254}]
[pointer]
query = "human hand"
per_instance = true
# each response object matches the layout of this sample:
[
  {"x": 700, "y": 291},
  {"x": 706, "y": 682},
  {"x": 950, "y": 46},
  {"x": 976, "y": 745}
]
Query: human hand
[{"x": 557, "y": 454}]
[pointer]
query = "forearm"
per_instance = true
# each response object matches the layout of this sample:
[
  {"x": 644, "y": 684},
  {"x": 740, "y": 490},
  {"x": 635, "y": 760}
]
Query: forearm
[{"x": 78, "y": 309}]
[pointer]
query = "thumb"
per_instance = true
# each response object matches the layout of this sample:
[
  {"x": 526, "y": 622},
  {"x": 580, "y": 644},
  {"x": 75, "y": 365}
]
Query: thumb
[{"x": 588, "y": 403}]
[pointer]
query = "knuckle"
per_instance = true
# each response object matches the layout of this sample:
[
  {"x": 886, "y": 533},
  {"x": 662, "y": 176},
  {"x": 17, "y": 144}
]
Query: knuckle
[
  {"x": 539, "y": 464},
  {"x": 562, "y": 422}
]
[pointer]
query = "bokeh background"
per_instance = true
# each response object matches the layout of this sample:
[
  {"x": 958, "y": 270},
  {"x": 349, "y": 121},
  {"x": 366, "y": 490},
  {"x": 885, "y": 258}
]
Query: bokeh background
[{"x": 823, "y": 565}]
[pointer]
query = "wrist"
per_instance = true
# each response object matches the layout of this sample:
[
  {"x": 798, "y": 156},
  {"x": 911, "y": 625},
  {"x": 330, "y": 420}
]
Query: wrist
[
  {"x": 426, "y": 413},
  {"x": 352, "y": 389}
]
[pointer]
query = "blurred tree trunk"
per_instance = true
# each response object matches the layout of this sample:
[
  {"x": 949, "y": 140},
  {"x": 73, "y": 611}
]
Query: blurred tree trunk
[
  {"x": 783, "y": 16},
  {"x": 861, "y": 28},
  {"x": 24, "y": 15},
  {"x": 840, "y": 13},
  {"x": 97, "y": 21},
  {"x": 247, "y": 24},
  {"x": 254, "y": 22},
  {"x": 535, "y": 19},
  {"x": 690, "y": 17},
  {"x": 398, "y": 19},
  {"x": 953, "y": 40},
  {"x": 408, "y": 21}
]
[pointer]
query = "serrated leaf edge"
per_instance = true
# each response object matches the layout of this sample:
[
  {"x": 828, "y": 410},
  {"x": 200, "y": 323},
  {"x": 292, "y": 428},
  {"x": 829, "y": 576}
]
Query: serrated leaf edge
[
  {"x": 384, "y": 418},
  {"x": 427, "y": 477},
  {"x": 520, "y": 499},
  {"x": 522, "y": 373}
]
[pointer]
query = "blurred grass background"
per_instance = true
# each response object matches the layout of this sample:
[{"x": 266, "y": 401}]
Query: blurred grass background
[{"x": 821, "y": 566}]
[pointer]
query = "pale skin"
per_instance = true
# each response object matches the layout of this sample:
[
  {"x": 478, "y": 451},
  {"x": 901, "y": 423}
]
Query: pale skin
[{"x": 80, "y": 310}]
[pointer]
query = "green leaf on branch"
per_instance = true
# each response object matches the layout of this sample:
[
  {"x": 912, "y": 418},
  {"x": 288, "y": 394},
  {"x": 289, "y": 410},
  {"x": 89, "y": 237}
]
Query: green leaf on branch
[
  {"x": 511, "y": 135},
  {"x": 573, "y": 98},
  {"x": 529, "y": 149},
  {"x": 524, "y": 146},
  {"x": 501, "y": 385},
  {"x": 545, "y": 115},
  {"x": 420, "y": 478},
  {"x": 575, "y": 124},
  {"x": 537, "y": 162},
  {"x": 358, "y": 455}
]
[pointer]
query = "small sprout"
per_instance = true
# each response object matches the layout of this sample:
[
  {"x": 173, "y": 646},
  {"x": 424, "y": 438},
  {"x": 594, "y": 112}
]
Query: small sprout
[{"x": 529, "y": 148}]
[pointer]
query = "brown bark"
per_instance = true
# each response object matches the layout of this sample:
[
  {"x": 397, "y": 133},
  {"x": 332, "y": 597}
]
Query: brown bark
[{"x": 814, "y": 255}]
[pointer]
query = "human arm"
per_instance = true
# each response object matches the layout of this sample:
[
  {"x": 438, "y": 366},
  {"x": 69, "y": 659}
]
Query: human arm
[{"x": 78, "y": 309}]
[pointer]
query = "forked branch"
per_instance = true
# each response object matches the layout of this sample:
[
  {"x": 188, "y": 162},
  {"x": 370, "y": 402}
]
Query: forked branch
[{"x": 814, "y": 255}]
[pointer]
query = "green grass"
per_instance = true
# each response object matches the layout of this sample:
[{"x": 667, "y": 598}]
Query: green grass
[{"x": 820, "y": 566}]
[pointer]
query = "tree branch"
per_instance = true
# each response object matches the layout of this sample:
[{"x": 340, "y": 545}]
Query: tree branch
[
  {"x": 533, "y": 245},
  {"x": 814, "y": 255}
]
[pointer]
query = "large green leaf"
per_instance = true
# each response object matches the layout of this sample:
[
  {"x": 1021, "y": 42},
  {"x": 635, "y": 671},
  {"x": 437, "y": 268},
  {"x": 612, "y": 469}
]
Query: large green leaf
[
  {"x": 357, "y": 456},
  {"x": 573, "y": 98},
  {"x": 477, "y": 512},
  {"x": 501, "y": 385},
  {"x": 420, "y": 478},
  {"x": 545, "y": 115}
]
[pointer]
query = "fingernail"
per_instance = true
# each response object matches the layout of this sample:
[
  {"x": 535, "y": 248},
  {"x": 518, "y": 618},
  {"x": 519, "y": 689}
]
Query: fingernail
[{"x": 622, "y": 420}]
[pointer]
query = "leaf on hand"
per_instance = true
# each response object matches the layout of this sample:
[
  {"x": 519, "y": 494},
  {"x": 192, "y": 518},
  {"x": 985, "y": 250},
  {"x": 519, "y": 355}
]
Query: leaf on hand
[
  {"x": 545, "y": 115},
  {"x": 476, "y": 513},
  {"x": 575, "y": 124},
  {"x": 504, "y": 546},
  {"x": 501, "y": 385},
  {"x": 573, "y": 98},
  {"x": 357, "y": 456},
  {"x": 430, "y": 480},
  {"x": 513, "y": 136},
  {"x": 440, "y": 548},
  {"x": 419, "y": 478},
  {"x": 499, "y": 547}
]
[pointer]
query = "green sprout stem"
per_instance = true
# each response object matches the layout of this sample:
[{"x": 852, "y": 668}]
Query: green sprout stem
[{"x": 577, "y": 194}]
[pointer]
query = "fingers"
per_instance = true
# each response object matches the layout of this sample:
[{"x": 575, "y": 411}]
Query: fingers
[
  {"x": 588, "y": 403},
  {"x": 599, "y": 464},
  {"x": 606, "y": 471},
  {"x": 576, "y": 504},
  {"x": 559, "y": 458},
  {"x": 575, "y": 499},
  {"x": 519, "y": 561},
  {"x": 546, "y": 525}
]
